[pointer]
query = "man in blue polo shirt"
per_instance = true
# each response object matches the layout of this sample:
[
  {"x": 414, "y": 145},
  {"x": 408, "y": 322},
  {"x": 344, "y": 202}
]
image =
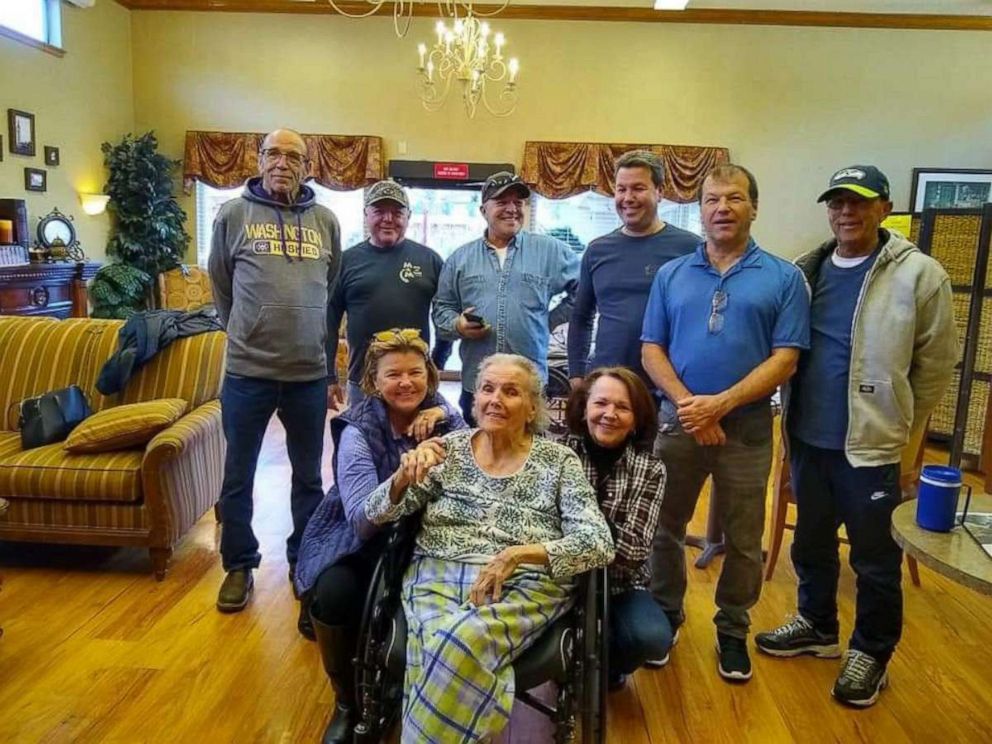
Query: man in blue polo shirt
[
  {"x": 722, "y": 330},
  {"x": 617, "y": 270},
  {"x": 494, "y": 292},
  {"x": 883, "y": 351}
]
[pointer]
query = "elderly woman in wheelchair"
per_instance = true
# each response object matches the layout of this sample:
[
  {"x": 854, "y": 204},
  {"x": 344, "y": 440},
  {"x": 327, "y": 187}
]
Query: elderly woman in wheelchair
[
  {"x": 508, "y": 519},
  {"x": 340, "y": 548},
  {"x": 612, "y": 423}
]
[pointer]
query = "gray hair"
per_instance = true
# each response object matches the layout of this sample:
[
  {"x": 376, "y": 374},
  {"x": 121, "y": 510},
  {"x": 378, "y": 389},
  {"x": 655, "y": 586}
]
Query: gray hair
[
  {"x": 642, "y": 159},
  {"x": 533, "y": 385}
]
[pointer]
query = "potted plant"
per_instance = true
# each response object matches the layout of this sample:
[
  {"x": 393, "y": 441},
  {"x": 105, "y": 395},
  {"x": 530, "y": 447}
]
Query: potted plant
[{"x": 148, "y": 233}]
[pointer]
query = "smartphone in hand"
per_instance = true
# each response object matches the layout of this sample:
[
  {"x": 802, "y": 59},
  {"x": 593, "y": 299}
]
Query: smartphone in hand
[{"x": 473, "y": 318}]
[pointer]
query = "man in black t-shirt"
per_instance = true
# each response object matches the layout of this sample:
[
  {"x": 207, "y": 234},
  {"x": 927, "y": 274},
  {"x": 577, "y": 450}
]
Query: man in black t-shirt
[{"x": 385, "y": 282}]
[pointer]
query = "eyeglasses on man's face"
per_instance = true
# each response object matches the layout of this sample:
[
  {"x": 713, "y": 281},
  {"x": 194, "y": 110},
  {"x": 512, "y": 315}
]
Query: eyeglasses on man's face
[
  {"x": 717, "y": 308},
  {"x": 274, "y": 155}
]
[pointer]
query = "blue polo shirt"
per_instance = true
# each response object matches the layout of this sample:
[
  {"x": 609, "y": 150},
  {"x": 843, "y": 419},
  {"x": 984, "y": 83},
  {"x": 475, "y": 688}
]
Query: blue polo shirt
[{"x": 767, "y": 307}]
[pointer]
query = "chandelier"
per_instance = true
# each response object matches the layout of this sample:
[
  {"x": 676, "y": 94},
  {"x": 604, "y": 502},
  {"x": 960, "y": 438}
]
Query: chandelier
[
  {"x": 403, "y": 10},
  {"x": 465, "y": 53}
]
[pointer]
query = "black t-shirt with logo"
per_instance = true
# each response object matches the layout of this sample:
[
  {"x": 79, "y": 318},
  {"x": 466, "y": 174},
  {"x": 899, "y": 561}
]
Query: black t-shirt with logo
[{"x": 382, "y": 288}]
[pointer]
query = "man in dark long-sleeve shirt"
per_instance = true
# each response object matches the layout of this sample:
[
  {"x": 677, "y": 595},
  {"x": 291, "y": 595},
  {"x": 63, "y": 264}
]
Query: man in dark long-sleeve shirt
[
  {"x": 618, "y": 268},
  {"x": 387, "y": 281}
]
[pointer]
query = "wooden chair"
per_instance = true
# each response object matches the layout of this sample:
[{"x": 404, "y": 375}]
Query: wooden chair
[{"x": 782, "y": 496}]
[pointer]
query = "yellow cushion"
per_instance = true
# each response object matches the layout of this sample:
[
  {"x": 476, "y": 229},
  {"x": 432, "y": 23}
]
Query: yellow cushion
[{"x": 124, "y": 426}]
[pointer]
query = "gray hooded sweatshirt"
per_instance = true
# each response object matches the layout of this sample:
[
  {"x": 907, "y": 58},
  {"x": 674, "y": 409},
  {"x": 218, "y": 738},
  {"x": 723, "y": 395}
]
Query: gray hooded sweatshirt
[
  {"x": 903, "y": 349},
  {"x": 271, "y": 265}
]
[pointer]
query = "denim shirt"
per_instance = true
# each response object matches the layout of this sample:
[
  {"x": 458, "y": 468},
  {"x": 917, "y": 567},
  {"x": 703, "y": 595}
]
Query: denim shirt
[{"x": 512, "y": 299}]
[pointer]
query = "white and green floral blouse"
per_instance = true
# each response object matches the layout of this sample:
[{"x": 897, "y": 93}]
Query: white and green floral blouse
[{"x": 471, "y": 516}]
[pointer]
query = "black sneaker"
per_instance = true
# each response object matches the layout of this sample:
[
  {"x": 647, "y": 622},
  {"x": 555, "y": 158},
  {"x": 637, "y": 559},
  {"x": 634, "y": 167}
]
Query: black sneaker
[
  {"x": 735, "y": 664},
  {"x": 798, "y": 636},
  {"x": 235, "y": 591},
  {"x": 659, "y": 663},
  {"x": 861, "y": 679}
]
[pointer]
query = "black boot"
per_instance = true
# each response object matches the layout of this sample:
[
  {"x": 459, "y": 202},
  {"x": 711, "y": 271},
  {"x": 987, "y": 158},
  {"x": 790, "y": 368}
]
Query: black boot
[{"x": 337, "y": 647}]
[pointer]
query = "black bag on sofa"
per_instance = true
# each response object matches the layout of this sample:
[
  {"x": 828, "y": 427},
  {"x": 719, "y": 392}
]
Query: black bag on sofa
[{"x": 50, "y": 418}]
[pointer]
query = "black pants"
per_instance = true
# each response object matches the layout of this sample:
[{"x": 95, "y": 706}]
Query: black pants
[
  {"x": 830, "y": 492},
  {"x": 465, "y": 401},
  {"x": 338, "y": 595}
]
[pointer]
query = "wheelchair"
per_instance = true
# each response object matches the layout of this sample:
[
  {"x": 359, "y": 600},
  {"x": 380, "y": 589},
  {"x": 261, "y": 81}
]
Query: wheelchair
[{"x": 572, "y": 652}]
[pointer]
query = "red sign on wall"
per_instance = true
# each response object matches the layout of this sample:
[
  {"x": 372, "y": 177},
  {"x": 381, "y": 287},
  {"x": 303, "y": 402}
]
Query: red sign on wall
[{"x": 452, "y": 171}]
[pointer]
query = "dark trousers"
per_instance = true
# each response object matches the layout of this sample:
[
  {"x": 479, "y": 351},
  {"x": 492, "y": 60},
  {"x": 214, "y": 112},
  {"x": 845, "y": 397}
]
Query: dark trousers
[
  {"x": 247, "y": 404},
  {"x": 639, "y": 631},
  {"x": 338, "y": 595},
  {"x": 465, "y": 401},
  {"x": 740, "y": 478},
  {"x": 830, "y": 492}
]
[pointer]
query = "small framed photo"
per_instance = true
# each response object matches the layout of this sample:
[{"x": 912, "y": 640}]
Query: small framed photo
[
  {"x": 51, "y": 155},
  {"x": 20, "y": 129},
  {"x": 950, "y": 188},
  {"x": 35, "y": 179}
]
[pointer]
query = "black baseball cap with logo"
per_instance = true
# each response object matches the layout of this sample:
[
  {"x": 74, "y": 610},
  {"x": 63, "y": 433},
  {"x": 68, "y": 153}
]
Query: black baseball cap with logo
[
  {"x": 864, "y": 180},
  {"x": 499, "y": 183}
]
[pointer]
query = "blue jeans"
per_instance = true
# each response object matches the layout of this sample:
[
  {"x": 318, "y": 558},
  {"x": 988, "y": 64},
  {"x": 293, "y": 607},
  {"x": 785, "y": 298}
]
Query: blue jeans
[
  {"x": 830, "y": 492},
  {"x": 355, "y": 394},
  {"x": 466, "y": 401},
  {"x": 247, "y": 404},
  {"x": 639, "y": 631}
]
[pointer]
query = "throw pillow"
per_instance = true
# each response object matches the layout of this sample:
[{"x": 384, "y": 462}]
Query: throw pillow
[{"x": 123, "y": 427}]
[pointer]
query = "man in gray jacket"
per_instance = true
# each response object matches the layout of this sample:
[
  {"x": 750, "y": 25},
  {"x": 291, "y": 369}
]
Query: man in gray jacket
[
  {"x": 883, "y": 348},
  {"x": 274, "y": 255}
]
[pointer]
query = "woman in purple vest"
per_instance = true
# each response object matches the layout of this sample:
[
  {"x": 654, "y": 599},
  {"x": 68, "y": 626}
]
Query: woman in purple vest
[{"x": 340, "y": 547}]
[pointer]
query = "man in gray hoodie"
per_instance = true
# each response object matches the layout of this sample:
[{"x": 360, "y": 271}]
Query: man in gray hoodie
[
  {"x": 883, "y": 349},
  {"x": 274, "y": 255}
]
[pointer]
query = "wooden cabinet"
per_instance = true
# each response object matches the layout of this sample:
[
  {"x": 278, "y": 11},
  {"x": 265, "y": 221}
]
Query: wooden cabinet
[{"x": 56, "y": 289}]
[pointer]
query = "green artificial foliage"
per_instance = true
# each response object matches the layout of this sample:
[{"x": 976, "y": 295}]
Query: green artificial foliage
[
  {"x": 148, "y": 230},
  {"x": 118, "y": 290}
]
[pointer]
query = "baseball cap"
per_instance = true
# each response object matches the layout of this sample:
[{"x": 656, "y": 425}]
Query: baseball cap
[
  {"x": 386, "y": 191},
  {"x": 499, "y": 183},
  {"x": 866, "y": 180}
]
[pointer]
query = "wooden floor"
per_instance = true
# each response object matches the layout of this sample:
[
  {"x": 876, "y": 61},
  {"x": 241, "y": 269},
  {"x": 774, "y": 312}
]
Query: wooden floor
[{"x": 95, "y": 650}]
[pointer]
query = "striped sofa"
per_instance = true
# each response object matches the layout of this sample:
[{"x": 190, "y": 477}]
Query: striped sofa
[{"x": 147, "y": 497}]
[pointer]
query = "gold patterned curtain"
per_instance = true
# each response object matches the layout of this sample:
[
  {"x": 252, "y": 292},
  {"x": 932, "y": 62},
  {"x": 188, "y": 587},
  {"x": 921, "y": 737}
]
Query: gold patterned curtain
[
  {"x": 560, "y": 169},
  {"x": 227, "y": 159}
]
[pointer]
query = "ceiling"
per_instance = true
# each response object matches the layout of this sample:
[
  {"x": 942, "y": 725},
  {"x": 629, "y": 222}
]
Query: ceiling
[{"x": 942, "y": 7}]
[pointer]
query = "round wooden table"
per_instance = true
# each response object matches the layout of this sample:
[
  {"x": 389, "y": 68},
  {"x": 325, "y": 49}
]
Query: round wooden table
[{"x": 954, "y": 554}]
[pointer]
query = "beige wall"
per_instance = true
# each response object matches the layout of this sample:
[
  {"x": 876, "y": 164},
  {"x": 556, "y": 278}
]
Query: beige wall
[
  {"x": 79, "y": 101},
  {"x": 792, "y": 104}
]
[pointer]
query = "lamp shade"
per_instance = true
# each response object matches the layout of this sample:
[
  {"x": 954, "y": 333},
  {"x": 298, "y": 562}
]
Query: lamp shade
[{"x": 94, "y": 203}]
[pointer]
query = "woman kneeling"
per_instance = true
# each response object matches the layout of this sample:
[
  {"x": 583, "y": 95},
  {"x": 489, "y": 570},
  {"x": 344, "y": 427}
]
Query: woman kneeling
[
  {"x": 509, "y": 518},
  {"x": 613, "y": 423},
  {"x": 340, "y": 548}
]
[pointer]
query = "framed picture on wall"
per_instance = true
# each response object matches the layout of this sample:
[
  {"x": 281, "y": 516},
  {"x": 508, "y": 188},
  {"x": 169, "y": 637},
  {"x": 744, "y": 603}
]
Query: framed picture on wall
[
  {"x": 20, "y": 129},
  {"x": 950, "y": 188},
  {"x": 51, "y": 155},
  {"x": 35, "y": 179}
]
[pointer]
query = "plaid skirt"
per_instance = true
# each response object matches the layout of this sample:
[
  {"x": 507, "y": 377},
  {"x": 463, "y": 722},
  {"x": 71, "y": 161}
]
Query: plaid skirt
[{"x": 459, "y": 684}]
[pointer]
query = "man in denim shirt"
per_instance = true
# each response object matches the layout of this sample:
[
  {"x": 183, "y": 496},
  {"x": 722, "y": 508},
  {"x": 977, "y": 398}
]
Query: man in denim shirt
[{"x": 494, "y": 292}]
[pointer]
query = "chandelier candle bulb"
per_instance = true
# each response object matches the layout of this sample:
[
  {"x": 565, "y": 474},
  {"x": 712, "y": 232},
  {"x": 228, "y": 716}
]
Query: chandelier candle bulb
[
  {"x": 514, "y": 67},
  {"x": 422, "y": 51}
]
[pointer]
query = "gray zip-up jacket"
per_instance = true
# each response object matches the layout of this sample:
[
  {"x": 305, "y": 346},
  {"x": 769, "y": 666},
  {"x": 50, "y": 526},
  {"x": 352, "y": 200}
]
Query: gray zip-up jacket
[
  {"x": 904, "y": 348},
  {"x": 272, "y": 266}
]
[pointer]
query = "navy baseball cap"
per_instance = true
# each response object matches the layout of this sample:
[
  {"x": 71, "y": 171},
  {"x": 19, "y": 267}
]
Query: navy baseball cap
[{"x": 865, "y": 180}]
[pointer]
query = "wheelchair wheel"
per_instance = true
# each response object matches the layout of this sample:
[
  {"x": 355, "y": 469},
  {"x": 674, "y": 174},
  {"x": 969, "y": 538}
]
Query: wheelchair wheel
[{"x": 593, "y": 653}]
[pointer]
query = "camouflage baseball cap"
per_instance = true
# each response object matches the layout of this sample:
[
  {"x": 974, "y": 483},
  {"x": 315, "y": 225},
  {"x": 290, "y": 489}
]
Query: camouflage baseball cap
[
  {"x": 499, "y": 183},
  {"x": 387, "y": 190}
]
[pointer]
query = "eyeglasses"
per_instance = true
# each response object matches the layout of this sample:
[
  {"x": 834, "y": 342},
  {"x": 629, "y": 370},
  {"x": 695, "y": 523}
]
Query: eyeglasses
[
  {"x": 292, "y": 158},
  {"x": 719, "y": 304},
  {"x": 404, "y": 335}
]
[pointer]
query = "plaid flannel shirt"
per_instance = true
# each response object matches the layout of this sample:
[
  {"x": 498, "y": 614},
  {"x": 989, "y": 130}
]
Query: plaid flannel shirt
[{"x": 630, "y": 499}]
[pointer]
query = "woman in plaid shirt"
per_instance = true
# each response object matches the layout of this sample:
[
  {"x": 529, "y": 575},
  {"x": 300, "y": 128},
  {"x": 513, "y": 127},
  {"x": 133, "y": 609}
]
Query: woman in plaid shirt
[{"x": 613, "y": 422}]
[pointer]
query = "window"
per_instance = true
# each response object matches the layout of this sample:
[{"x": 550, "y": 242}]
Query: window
[
  {"x": 39, "y": 19},
  {"x": 346, "y": 205},
  {"x": 444, "y": 219},
  {"x": 581, "y": 218}
]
